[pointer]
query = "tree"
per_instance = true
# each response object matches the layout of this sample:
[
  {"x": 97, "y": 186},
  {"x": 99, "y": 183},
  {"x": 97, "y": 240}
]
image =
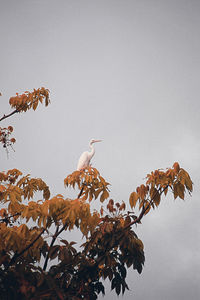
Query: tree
[{"x": 35, "y": 264}]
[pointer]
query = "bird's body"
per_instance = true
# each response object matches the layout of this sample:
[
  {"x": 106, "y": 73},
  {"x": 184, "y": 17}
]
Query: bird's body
[{"x": 85, "y": 158}]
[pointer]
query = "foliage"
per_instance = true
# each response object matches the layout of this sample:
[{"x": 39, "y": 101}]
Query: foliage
[
  {"x": 36, "y": 264},
  {"x": 22, "y": 103}
]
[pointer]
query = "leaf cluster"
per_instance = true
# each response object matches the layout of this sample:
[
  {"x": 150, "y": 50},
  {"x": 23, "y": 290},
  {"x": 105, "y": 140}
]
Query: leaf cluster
[
  {"x": 148, "y": 196},
  {"x": 111, "y": 245},
  {"x": 30, "y": 100},
  {"x": 90, "y": 183},
  {"x": 5, "y": 138},
  {"x": 109, "y": 248},
  {"x": 22, "y": 103}
]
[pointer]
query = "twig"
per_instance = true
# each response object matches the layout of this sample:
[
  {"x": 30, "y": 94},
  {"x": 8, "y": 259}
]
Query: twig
[
  {"x": 9, "y": 115},
  {"x": 81, "y": 192},
  {"x": 6, "y": 218}
]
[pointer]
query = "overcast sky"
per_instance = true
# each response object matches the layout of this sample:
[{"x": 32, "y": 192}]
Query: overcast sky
[{"x": 127, "y": 72}]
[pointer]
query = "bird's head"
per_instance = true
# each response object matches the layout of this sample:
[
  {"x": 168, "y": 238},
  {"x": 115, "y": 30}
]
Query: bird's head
[{"x": 94, "y": 141}]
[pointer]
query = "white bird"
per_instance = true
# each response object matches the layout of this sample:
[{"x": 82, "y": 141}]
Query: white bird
[{"x": 85, "y": 158}]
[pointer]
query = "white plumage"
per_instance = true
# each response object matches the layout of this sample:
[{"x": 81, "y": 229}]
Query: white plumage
[{"x": 85, "y": 158}]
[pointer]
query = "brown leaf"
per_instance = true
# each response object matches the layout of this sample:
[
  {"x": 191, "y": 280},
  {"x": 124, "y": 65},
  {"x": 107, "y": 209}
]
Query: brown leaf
[{"x": 133, "y": 199}]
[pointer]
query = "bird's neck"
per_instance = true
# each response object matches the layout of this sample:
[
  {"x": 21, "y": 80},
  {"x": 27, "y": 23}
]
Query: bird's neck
[{"x": 92, "y": 152}]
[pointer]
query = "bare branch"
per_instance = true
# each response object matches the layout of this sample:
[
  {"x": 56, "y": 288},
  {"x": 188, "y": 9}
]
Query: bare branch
[{"x": 9, "y": 115}]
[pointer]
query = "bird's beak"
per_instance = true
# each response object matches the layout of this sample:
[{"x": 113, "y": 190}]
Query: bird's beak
[{"x": 97, "y": 141}]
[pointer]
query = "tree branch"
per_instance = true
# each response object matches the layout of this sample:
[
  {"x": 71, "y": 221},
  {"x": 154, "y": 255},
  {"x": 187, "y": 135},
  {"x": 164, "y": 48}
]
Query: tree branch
[
  {"x": 138, "y": 219},
  {"x": 16, "y": 255},
  {"x": 9, "y": 217},
  {"x": 51, "y": 245},
  {"x": 9, "y": 115},
  {"x": 57, "y": 233},
  {"x": 81, "y": 192}
]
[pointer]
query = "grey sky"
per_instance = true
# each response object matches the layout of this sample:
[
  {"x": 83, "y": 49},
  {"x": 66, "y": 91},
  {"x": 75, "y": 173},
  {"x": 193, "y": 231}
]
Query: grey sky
[{"x": 126, "y": 72}]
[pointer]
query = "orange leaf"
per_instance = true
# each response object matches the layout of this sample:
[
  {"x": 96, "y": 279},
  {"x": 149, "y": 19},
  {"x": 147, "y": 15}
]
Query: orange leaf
[
  {"x": 176, "y": 167},
  {"x": 133, "y": 199}
]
